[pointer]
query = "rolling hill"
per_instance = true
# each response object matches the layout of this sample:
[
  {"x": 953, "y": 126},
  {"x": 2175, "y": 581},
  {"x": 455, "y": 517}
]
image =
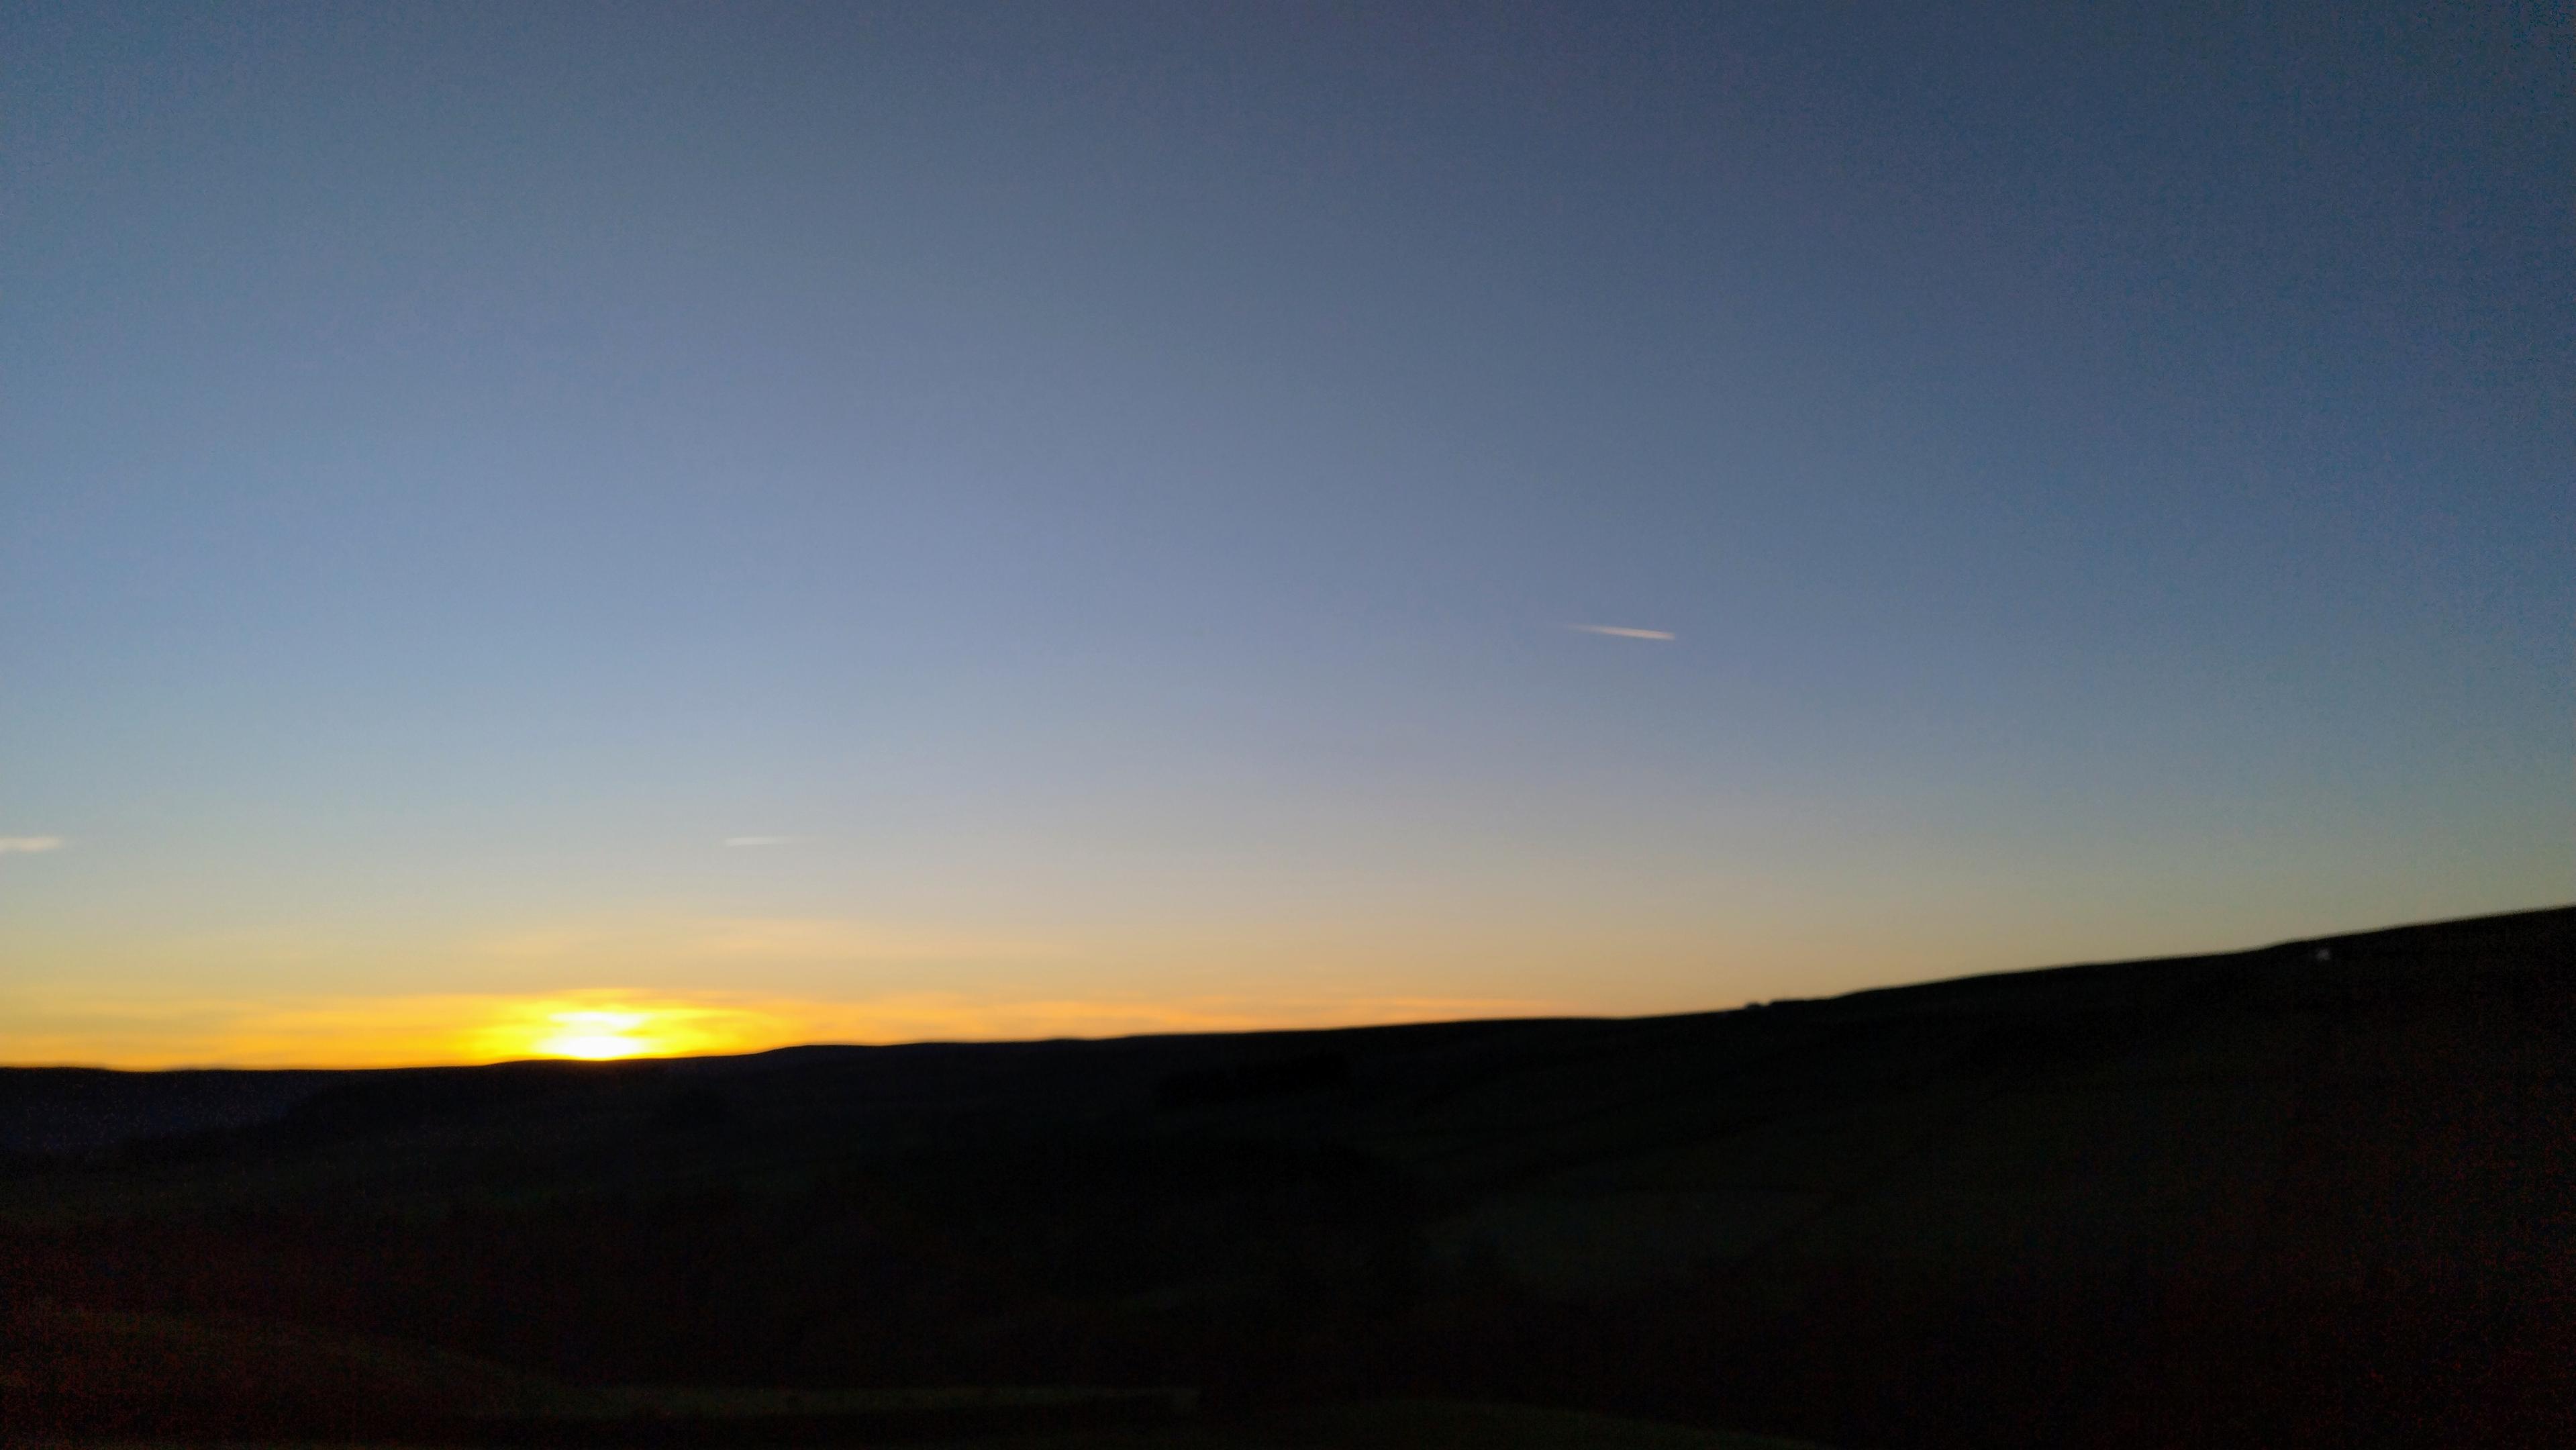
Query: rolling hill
[{"x": 2318, "y": 1193}]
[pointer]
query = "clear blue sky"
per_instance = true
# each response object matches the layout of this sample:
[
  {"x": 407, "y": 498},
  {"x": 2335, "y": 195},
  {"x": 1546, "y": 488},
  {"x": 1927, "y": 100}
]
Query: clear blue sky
[{"x": 1090, "y": 499}]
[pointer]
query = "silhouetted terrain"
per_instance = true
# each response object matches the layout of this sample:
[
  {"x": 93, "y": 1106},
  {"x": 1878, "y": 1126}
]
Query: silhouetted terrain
[{"x": 2318, "y": 1194}]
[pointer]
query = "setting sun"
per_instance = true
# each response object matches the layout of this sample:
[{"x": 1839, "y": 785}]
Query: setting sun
[
  {"x": 600, "y": 1027},
  {"x": 596, "y": 1035}
]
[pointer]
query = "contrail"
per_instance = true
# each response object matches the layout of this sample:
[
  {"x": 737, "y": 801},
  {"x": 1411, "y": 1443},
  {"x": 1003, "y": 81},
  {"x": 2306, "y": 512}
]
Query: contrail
[{"x": 1621, "y": 632}]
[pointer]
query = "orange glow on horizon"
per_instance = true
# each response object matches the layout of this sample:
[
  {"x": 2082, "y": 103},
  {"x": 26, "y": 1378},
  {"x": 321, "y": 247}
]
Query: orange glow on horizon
[
  {"x": 601, "y": 1025},
  {"x": 598, "y": 1028},
  {"x": 596, "y": 1036}
]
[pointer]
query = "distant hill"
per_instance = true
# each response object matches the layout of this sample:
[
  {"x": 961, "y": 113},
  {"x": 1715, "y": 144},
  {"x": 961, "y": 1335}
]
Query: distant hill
[
  {"x": 82, "y": 1109},
  {"x": 2320, "y": 1193}
]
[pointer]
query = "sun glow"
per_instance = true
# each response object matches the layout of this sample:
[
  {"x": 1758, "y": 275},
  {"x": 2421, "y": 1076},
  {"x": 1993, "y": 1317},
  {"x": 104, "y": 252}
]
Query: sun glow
[
  {"x": 601, "y": 1027},
  {"x": 596, "y": 1036}
]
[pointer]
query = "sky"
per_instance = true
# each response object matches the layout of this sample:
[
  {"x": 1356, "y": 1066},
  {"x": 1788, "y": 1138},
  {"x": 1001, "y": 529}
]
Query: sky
[{"x": 607, "y": 528}]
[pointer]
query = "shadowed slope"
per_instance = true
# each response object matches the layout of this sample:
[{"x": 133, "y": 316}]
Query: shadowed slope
[{"x": 2317, "y": 1193}]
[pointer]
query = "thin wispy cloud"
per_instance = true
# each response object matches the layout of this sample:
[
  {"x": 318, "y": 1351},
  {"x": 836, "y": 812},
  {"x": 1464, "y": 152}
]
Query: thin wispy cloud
[
  {"x": 30, "y": 843},
  {"x": 761, "y": 840},
  {"x": 1618, "y": 631}
]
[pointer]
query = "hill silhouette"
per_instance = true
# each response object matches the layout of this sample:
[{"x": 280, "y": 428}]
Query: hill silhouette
[{"x": 2318, "y": 1193}]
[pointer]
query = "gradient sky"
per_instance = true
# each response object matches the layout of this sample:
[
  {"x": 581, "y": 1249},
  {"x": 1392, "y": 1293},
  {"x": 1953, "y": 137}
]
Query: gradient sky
[{"x": 964, "y": 520}]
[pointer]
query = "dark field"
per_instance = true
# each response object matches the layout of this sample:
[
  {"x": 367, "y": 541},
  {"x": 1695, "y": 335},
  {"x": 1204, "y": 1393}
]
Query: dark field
[{"x": 2318, "y": 1194}]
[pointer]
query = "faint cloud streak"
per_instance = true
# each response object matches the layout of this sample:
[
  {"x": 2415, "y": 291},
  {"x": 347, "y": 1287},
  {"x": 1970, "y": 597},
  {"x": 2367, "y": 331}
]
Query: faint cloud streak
[
  {"x": 30, "y": 844},
  {"x": 761, "y": 840},
  {"x": 1616, "y": 631}
]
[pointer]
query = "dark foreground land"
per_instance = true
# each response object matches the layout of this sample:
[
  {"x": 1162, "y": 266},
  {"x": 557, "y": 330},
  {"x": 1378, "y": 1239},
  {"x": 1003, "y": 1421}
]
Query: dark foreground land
[{"x": 2319, "y": 1194}]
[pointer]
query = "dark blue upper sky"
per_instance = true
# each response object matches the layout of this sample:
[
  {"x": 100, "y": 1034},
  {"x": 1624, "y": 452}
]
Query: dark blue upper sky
[{"x": 1109, "y": 486}]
